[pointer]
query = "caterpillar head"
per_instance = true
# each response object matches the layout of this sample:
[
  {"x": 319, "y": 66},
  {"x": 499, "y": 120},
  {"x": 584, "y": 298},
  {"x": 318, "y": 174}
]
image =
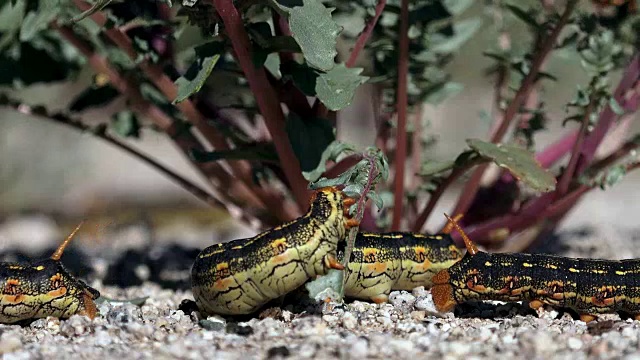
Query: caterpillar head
[{"x": 330, "y": 202}]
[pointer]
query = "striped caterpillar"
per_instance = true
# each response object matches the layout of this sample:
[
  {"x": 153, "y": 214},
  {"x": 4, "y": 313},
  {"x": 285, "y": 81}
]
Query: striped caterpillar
[
  {"x": 587, "y": 286},
  {"x": 43, "y": 288},
  {"x": 240, "y": 276},
  {"x": 380, "y": 263}
]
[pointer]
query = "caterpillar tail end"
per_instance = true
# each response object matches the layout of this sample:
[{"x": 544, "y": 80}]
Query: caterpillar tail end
[{"x": 442, "y": 292}]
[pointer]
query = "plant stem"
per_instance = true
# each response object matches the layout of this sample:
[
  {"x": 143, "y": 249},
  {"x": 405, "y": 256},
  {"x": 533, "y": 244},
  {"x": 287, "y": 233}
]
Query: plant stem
[
  {"x": 439, "y": 191},
  {"x": 401, "y": 110},
  {"x": 471, "y": 187},
  {"x": 266, "y": 98},
  {"x": 607, "y": 117},
  {"x": 569, "y": 171}
]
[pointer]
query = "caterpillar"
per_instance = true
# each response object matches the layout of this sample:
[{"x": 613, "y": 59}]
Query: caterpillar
[
  {"x": 587, "y": 286},
  {"x": 43, "y": 288},
  {"x": 240, "y": 276},
  {"x": 380, "y": 263}
]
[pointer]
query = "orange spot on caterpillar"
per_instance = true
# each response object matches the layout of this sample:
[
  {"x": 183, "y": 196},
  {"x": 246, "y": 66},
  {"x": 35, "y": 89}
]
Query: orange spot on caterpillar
[
  {"x": 57, "y": 292},
  {"x": 604, "y": 297},
  {"x": 536, "y": 304},
  {"x": 280, "y": 259},
  {"x": 279, "y": 246},
  {"x": 378, "y": 267},
  {"x": 370, "y": 255},
  {"x": 11, "y": 287},
  {"x": 587, "y": 317},
  {"x": 352, "y": 223},
  {"x": 349, "y": 201},
  {"x": 13, "y": 299},
  {"x": 223, "y": 284},
  {"x": 379, "y": 299}
]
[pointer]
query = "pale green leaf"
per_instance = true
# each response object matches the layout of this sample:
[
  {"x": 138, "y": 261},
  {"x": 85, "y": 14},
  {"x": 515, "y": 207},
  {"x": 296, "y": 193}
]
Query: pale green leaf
[
  {"x": 315, "y": 31},
  {"x": 519, "y": 161},
  {"x": 337, "y": 87}
]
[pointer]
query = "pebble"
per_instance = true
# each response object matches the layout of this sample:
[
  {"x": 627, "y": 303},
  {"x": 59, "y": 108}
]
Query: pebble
[
  {"x": 349, "y": 321},
  {"x": 574, "y": 343}
]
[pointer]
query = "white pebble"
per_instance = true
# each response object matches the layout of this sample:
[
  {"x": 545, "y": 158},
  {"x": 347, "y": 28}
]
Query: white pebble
[{"x": 574, "y": 343}]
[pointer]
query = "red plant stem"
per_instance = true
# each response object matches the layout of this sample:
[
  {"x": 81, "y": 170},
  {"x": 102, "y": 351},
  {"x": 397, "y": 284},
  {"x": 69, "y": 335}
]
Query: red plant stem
[
  {"x": 266, "y": 98},
  {"x": 471, "y": 187},
  {"x": 569, "y": 171},
  {"x": 401, "y": 109},
  {"x": 437, "y": 194},
  {"x": 361, "y": 42},
  {"x": 607, "y": 118},
  {"x": 156, "y": 74},
  {"x": 365, "y": 34},
  {"x": 539, "y": 209}
]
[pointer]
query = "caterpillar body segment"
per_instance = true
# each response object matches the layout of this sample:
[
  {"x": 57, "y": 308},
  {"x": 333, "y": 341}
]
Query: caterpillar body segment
[
  {"x": 43, "y": 288},
  {"x": 588, "y": 286},
  {"x": 241, "y": 276},
  {"x": 381, "y": 263}
]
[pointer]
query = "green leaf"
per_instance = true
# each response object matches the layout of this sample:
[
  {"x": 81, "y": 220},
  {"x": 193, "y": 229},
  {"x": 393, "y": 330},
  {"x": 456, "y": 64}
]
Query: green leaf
[
  {"x": 463, "y": 31},
  {"x": 264, "y": 152},
  {"x": 615, "y": 106},
  {"x": 525, "y": 16},
  {"x": 520, "y": 162},
  {"x": 125, "y": 123},
  {"x": 337, "y": 87},
  {"x": 316, "y": 33},
  {"x": 93, "y": 97},
  {"x": 36, "y": 21},
  {"x": 457, "y": 7},
  {"x": 327, "y": 286},
  {"x": 207, "y": 55},
  {"x": 331, "y": 153},
  {"x": 309, "y": 138},
  {"x": 430, "y": 167},
  {"x": 377, "y": 199}
]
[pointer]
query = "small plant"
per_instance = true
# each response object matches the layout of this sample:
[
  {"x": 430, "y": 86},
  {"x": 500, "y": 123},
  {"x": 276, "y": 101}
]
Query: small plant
[{"x": 249, "y": 91}]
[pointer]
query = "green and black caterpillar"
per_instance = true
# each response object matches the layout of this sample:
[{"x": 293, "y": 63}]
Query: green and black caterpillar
[
  {"x": 43, "y": 288},
  {"x": 384, "y": 262},
  {"x": 240, "y": 276},
  {"x": 588, "y": 286}
]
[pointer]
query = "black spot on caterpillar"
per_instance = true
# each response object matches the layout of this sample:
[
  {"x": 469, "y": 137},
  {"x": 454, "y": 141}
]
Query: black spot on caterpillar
[
  {"x": 240, "y": 276},
  {"x": 43, "y": 288},
  {"x": 587, "y": 286}
]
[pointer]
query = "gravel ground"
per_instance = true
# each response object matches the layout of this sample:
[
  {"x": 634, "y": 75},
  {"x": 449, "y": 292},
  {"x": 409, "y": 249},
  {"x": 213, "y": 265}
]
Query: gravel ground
[{"x": 166, "y": 327}]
